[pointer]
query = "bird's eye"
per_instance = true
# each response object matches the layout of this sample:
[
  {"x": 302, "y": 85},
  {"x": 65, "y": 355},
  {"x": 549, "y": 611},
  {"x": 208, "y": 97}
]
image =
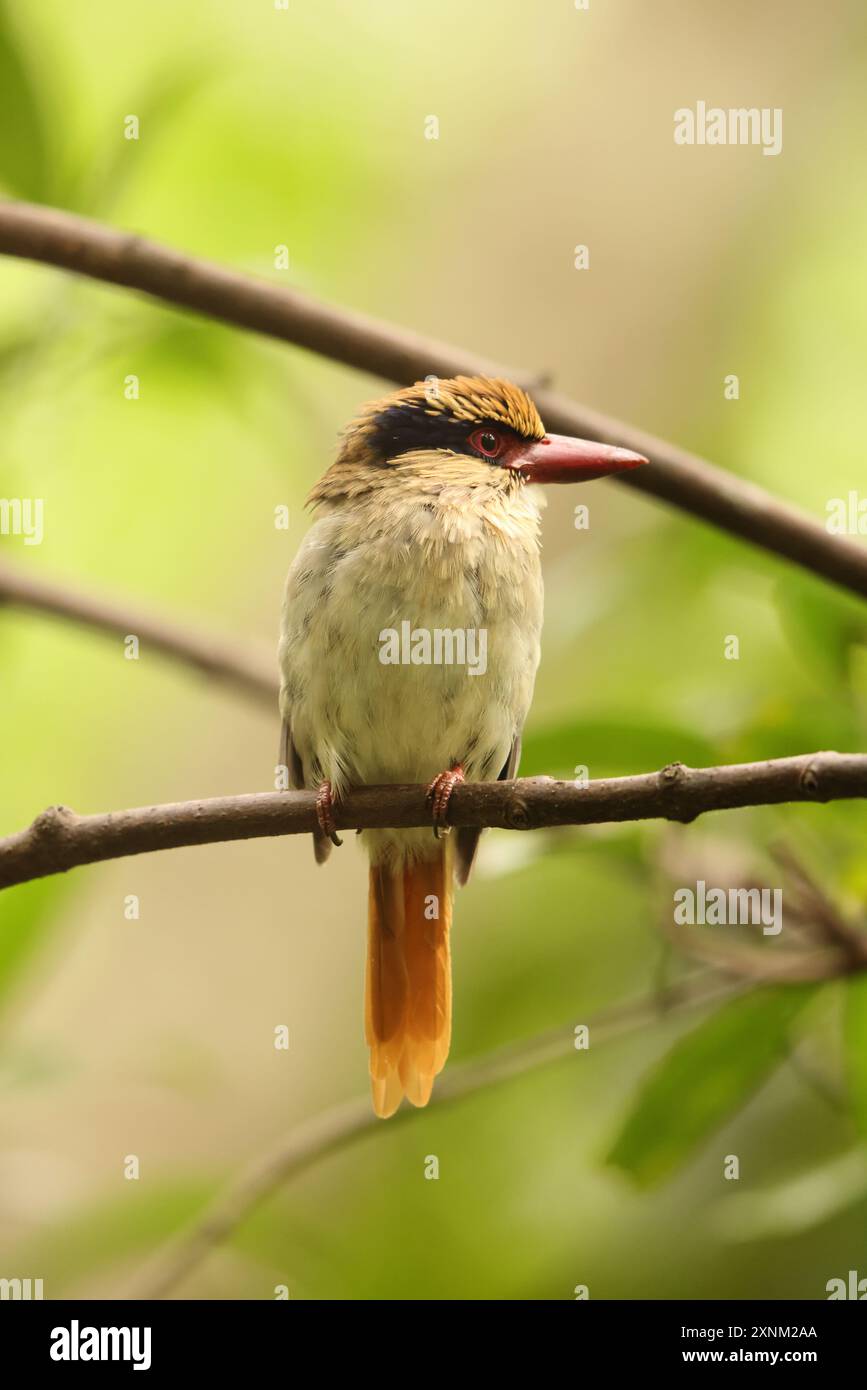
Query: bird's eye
[{"x": 487, "y": 443}]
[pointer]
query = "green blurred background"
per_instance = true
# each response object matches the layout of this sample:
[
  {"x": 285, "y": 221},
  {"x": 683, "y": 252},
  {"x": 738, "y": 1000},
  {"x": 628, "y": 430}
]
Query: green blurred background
[{"x": 304, "y": 127}]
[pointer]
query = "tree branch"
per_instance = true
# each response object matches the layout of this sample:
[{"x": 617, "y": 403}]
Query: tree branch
[
  {"x": 214, "y": 657},
  {"x": 769, "y": 964},
  {"x": 678, "y": 477},
  {"x": 59, "y": 839},
  {"x": 345, "y": 1124}
]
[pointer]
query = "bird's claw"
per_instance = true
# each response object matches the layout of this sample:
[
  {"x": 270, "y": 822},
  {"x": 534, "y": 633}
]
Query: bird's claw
[
  {"x": 439, "y": 794},
  {"x": 325, "y": 813}
]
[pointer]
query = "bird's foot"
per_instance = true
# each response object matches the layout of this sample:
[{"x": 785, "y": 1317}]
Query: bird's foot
[
  {"x": 325, "y": 813},
  {"x": 439, "y": 794}
]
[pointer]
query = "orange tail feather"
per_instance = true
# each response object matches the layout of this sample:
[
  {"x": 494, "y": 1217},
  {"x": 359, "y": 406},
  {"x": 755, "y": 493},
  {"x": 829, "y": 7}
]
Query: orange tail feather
[{"x": 408, "y": 997}]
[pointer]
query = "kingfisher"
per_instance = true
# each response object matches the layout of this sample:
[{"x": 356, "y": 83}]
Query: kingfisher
[{"x": 427, "y": 522}]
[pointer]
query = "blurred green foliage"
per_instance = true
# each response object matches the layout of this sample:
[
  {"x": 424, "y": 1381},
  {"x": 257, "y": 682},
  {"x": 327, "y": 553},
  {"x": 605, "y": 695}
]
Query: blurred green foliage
[{"x": 707, "y": 1075}]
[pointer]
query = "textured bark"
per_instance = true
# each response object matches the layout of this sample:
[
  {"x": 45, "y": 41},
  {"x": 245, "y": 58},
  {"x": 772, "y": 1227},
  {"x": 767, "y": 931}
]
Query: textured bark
[{"x": 59, "y": 839}]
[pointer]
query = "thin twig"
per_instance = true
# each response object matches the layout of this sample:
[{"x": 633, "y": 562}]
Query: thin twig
[
  {"x": 825, "y": 913},
  {"x": 344, "y": 1125},
  {"x": 59, "y": 839},
  {"x": 678, "y": 477},
  {"x": 827, "y": 947},
  {"x": 213, "y": 656},
  {"x": 771, "y": 965}
]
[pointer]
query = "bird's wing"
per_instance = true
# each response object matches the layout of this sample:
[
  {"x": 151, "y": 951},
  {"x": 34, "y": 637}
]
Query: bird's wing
[
  {"x": 467, "y": 836},
  {"x": 290, "y": 758}
]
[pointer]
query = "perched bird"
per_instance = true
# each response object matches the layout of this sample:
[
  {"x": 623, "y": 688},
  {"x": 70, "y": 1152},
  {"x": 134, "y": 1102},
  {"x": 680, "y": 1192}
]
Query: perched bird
[{"x": 408, "y": 651}]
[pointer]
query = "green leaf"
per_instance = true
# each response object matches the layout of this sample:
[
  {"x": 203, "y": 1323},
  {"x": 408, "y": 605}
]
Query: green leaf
[
  {"x": 780, "y": 727},
  {"x": 610, "y": 748},
  {"x": 796, "y": 1205},
  {"x": 705, "y": 1077},
  {"x": 855, "y": 1036},
  {"x": 23, "y": 145}
]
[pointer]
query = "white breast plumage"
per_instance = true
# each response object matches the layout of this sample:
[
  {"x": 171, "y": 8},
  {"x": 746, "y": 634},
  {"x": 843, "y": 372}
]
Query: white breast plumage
[{"x": 411, "y": 637}]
